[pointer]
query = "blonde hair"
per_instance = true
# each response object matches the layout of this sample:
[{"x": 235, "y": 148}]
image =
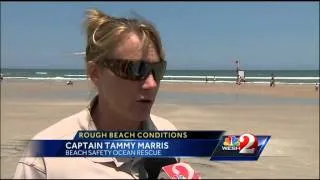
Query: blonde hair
[{"x": 104, "y": 34}]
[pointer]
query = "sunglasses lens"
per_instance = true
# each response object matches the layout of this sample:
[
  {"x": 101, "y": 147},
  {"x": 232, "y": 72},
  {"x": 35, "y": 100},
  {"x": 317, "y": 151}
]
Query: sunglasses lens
[
  {"x": 138, "y": 70},
  {"x": 159, "y": 70}
]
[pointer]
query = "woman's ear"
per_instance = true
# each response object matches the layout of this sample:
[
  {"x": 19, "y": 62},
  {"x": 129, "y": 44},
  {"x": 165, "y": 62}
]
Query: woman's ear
[{"x": 93, "y": 71}]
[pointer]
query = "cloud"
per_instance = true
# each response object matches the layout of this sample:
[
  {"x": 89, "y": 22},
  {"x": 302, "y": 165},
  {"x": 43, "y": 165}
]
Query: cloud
[{"x": 78, "y": 53}]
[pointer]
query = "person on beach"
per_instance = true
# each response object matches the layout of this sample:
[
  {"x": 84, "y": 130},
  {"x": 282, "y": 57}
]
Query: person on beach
[
  {"x": 238, "y": 80},
  {"x": 244, "y": 79},
  {"x": 316, "y": 86},
  {"x": 125, "y": 61},
  {"x": 69, "y": 83},
  {"x": 272, "y": 81}
]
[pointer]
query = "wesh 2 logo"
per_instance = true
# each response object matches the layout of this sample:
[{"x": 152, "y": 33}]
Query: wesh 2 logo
[
  {"x": 239, "y": 148},
  {"x": 245, "y": 144}
]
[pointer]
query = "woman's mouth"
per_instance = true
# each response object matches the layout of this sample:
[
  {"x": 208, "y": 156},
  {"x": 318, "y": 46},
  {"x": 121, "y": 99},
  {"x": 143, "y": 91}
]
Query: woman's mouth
[{"x": 144, "y": 100}]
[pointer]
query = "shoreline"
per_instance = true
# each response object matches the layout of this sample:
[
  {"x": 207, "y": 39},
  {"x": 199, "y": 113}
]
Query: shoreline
[
  {"x": 174, "y": 80},
  {"x": 281, "y": 90}
]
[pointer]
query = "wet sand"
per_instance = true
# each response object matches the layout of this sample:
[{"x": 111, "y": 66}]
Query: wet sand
[{"x": 289, "y": 113}]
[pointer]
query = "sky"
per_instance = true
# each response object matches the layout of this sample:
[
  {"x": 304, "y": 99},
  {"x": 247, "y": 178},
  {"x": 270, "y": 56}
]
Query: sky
[{"x": 196, "y": 35}]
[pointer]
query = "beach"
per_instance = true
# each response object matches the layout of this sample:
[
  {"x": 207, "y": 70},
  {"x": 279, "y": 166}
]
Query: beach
[{"x": 289, "y": 113}]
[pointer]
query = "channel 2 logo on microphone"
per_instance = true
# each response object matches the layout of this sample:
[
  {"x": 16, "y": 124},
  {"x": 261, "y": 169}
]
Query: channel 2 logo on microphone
[{"x": 240, "y": 147}]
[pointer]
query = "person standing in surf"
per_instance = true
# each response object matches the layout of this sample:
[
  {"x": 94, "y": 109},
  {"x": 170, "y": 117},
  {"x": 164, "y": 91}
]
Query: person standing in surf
[{"x": 272, "y": 81}]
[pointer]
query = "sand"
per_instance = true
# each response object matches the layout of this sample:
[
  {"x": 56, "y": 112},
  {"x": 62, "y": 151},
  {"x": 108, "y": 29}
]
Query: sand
[{"x": 289, "y": 113}]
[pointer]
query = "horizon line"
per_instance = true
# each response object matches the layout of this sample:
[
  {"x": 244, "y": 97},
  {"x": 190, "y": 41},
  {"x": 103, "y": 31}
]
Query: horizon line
[{"x": 173, "y": 69}]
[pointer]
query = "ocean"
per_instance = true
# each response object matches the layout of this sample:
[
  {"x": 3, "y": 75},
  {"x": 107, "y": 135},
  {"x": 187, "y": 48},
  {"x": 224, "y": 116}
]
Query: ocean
[{"x": 178, "y": 76}]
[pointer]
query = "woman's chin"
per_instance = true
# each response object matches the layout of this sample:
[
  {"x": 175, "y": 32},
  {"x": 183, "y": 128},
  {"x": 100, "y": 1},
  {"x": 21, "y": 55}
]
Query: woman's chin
[{"x": 141, "y": 116}]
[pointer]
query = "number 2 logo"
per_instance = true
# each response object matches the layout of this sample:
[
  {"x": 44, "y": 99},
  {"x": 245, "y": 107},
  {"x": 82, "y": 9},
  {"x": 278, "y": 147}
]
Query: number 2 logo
[{"x": 248, "y": 144}]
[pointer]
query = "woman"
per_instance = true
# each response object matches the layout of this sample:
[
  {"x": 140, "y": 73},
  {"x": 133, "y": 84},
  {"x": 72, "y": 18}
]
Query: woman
[{"x": 125, "y": 61}]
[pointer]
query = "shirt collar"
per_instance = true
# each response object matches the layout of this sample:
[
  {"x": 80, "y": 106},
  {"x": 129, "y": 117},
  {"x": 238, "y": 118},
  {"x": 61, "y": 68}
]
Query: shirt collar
[{"x": 87, "y": 123}]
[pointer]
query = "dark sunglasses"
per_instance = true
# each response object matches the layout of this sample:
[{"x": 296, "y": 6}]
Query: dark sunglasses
[{"x": 135, "y": 70}]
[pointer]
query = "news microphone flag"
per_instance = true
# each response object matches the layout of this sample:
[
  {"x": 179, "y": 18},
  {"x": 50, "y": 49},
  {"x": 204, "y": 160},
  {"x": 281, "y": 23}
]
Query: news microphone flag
[{"x": 178, "y": 171}]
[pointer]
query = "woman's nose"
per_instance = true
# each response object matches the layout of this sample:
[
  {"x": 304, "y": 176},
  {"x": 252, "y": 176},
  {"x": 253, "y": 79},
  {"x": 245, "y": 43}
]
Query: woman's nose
[{"x": 149, "y": 82}]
